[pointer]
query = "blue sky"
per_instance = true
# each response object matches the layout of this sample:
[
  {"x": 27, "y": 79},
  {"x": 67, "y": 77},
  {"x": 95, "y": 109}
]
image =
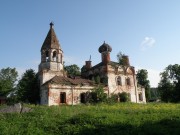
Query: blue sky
[{"x": 146, "y": 30}]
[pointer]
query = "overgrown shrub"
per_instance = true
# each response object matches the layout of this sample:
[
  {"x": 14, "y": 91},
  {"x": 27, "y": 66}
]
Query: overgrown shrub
[
  {"x": 124, "y": 97},
  {"x": 114, "y": 98},
  {"x": 98, "y": 95}
]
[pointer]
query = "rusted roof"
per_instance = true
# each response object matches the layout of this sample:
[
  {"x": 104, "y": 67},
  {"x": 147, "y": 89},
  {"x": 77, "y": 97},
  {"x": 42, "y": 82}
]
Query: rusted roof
[
  {"x": 102, "y": 64},
  {"x": 69, "y": 81},
  {"x": 51, "y": 41}
]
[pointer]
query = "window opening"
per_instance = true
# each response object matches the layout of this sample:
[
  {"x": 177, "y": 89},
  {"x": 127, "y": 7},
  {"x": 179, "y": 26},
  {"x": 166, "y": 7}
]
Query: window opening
[
  {"x": 119, "y": 81},
  {"x": 128, "y": 82},
  {"x": 140, "y": 97}
]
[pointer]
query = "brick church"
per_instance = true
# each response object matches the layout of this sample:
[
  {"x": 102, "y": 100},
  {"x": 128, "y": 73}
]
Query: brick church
[{"x": 56, "y": 88}]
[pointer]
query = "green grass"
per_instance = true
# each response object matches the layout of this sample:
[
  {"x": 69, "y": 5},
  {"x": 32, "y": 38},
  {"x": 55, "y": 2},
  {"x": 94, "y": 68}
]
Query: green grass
[{"x": 120, "y": 119}]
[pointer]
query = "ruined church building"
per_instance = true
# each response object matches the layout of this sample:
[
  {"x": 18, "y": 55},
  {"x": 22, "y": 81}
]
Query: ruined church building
[{"x": 56, "y": 88}]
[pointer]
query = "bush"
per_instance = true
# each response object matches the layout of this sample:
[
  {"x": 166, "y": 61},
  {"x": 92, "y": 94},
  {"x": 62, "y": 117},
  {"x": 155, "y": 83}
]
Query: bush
[
  {"x": 98, "y": 95},
  {"x": 124, "y": 97},
  {"x": 113, "y": 99}
]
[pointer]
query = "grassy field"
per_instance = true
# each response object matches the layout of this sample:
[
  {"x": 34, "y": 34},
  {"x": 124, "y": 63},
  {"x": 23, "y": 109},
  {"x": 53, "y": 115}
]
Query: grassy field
[{"x": 120, "y": 119}]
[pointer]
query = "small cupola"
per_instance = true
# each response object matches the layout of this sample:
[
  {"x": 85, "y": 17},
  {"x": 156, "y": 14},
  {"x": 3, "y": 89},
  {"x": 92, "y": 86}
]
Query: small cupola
[
  {"x": 105, "y": 50},
  {"x": 105, "y": 47}
]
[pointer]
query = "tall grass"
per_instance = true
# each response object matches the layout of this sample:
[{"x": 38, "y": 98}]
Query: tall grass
[{"x": 120, "y": 119}]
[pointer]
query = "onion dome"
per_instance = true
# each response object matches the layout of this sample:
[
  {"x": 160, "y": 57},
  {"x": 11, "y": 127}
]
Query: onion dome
[{"x": 105, "y": 47}]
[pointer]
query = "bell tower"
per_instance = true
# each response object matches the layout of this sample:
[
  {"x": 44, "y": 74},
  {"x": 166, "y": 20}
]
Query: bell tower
[{"x": 51, "y": 57}]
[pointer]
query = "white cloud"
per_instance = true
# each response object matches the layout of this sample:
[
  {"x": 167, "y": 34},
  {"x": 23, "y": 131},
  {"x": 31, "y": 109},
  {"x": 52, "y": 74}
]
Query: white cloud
[
  {"x": 153, "y": 76},
  {"x": 147, "y": 42}
]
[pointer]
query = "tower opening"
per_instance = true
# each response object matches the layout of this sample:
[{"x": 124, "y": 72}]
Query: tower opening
[
  {"x": 54, "y": 56},
  {"x": 47, "y": 56},
  {"x": 61, "y": 59}
]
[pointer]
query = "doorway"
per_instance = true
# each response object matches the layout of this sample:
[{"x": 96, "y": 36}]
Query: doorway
[
  {"x": 63, "y": 97},
  {"x": 83, "y": 97}
]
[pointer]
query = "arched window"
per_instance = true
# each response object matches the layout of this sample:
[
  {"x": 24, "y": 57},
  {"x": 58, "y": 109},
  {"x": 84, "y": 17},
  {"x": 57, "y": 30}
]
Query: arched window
[
  {"x": 128, "y": 81},
  {"x": 140, "y": 97},
  {"x": 119, "y": 82},
  {"x": 54, "y": 56},
  {"x": 47, "y": 56}
]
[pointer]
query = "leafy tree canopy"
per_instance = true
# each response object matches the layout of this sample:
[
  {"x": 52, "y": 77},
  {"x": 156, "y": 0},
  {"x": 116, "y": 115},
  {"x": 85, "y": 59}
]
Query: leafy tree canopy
[
  {"x": 8, "y": 77},
  {"x": 169, "y": 85},
  {"x": 122, "y": 59},
  {"x": 28, "y": 87},
  {"x": 142, "y": 78},
  {"x": 72, "y": 70}
]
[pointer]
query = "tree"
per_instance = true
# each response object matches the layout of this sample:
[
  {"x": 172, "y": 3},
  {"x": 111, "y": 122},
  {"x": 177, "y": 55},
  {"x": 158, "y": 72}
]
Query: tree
[
  {"x": 8, "y": 78},
  {"x": 98, "y": 94},
  {"x": 155, "y": 95},
  {"x": 28, "y": 87},
  {"x": 72, "y": 70},
  {"x": 169, "y": 85},
  {"x": 142, "y": 78},
  {"x": 122, "y": 59}
]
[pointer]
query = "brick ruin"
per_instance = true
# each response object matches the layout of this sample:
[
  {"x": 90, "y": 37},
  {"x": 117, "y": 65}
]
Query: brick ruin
[{"x": 56, "y": 88}]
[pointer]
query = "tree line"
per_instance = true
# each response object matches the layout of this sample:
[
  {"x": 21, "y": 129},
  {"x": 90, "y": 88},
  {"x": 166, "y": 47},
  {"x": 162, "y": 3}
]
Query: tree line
[
  {"x": 169, "y": 85},
  {"x": 25, "y": 89},
  {"x": 168, "y": 89}
]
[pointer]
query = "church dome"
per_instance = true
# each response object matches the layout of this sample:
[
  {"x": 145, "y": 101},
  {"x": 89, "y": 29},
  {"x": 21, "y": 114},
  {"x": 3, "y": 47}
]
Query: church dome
[{"x": 105, "y": 47}]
